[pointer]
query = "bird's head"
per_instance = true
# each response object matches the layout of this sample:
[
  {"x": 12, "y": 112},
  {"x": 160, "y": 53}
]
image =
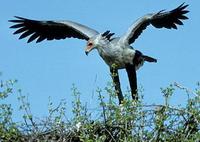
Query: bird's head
[
  {"x": 99, "y": 41},
  {"x": 90, "y": 46}
]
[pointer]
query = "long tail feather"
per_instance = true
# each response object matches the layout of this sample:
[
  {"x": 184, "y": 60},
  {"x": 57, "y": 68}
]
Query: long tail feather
[{"x": 149, "y": 59}]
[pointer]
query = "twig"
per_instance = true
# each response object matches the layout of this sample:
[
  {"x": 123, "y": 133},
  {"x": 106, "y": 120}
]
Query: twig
[
  {"x": 178, "y": 85},
  {"x": 103, "y": 107},
  {"x": 110, "y": 135}
]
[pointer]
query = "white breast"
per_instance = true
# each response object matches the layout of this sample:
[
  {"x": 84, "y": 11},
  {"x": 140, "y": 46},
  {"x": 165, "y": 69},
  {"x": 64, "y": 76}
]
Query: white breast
[{"x": 117, "y": 55}]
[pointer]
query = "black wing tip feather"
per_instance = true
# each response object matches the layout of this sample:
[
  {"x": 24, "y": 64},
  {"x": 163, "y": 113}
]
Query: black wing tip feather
[
  {"x": 163, "y": 19},
  {"x": 40, "y": 30},
  {"x": 20, "y": 26},
  {"x": 171, "y": 19},
  {"x": 183, "y": 5},
  {"x": 17, "y": 20},
  {"x": 182, "y": 9}
]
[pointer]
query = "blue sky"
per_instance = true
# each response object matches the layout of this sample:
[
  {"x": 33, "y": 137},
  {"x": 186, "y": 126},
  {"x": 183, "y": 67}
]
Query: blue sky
[{"x": 51, "y": 67}]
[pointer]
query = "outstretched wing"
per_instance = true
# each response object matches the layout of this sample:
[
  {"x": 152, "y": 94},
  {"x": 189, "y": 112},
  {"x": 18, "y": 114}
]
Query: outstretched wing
[
  {"x": 169, "y": 20},
  {"x": 50, "y": 30}
]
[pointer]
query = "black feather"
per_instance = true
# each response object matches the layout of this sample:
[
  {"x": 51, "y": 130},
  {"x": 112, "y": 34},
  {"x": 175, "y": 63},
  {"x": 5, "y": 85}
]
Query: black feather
[
  {"x": 21, "y": 30},
  {"x": 33, "y": 37},
  {"x": 44, "y": 30},
  {"x": 107, "y": 35}
]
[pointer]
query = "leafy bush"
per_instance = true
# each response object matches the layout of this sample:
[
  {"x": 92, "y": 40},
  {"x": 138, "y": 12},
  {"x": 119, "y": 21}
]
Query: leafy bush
[
  {"x": 8, "y": 129},
  {"x": 128, "y": 122}
]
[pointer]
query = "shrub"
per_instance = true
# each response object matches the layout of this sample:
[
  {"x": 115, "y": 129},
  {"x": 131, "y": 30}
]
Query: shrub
[{"x": 131, "y": 121}]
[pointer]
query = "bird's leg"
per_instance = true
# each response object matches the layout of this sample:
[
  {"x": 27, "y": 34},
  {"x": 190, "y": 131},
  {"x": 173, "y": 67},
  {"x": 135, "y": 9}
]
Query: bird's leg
[
  {"x": 115, "y": 77},
  {"x": 131, "y": 71}
]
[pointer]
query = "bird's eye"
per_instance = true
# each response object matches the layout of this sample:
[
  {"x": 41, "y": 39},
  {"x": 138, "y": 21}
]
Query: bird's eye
[{"x": 90, "y": 44}]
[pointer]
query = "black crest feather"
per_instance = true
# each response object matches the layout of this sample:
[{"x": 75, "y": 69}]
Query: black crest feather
[{"x": 108, "y": 35}]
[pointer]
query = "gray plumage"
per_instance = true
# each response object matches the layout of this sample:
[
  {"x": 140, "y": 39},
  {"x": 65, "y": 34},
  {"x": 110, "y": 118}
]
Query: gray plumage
[{"x": 115, "y": 51}]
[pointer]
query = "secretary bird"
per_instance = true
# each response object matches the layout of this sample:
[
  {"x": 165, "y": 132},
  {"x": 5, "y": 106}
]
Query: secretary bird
[{"x": 117, "y": 52}]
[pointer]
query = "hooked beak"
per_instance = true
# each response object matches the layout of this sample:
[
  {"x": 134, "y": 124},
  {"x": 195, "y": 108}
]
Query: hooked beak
[
  {"x": 88, "y": 49},
  {"x": 86, "y": 52}
]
